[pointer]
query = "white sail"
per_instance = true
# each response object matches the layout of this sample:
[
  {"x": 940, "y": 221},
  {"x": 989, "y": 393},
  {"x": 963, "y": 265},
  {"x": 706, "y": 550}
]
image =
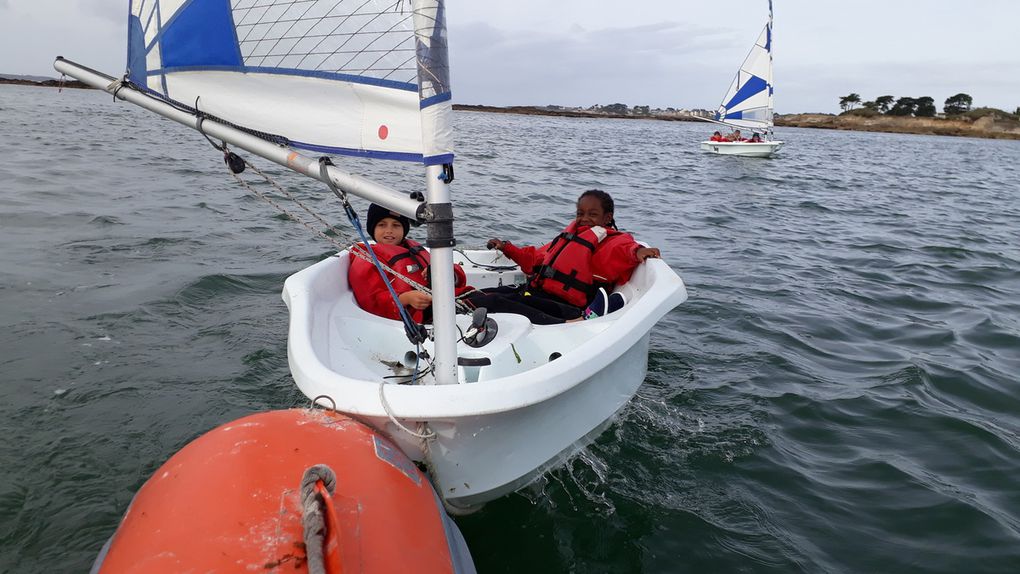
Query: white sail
[
  {"x": 331, "y": 77},
  {"x": 748, "y": 102}
]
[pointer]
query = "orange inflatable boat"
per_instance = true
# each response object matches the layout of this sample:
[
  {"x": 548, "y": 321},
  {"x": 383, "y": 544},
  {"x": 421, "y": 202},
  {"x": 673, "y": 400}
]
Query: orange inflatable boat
[{"x": 287, "y": 491}]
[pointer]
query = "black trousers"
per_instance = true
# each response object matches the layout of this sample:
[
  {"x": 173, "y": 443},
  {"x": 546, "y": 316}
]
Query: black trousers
[{"x": 539, "y": 307}]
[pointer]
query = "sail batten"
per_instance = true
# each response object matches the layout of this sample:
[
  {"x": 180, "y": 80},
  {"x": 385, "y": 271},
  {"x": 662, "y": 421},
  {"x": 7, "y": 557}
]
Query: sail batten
[{"x": 367, "y": 78}]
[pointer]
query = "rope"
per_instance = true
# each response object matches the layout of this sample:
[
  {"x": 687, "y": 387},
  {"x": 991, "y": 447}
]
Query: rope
[
  {"x": 355, "y": 249},
  {"x": 312, "y": 519},
  {"x": 389, "y": 412}
]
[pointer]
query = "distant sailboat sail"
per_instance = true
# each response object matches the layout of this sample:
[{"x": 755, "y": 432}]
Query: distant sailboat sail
[
  {"x": 367, "y": 78},
  {"x": 748, "y": 102}
]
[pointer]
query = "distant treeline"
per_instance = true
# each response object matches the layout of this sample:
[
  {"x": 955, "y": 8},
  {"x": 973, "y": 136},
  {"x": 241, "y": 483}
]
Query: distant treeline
[
  {"x": 48, "y": 83},
  {"x": 923, "y": 107}
]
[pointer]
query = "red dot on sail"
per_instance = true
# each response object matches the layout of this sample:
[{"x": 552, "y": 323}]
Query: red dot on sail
[{"x": 384, "y": 132}]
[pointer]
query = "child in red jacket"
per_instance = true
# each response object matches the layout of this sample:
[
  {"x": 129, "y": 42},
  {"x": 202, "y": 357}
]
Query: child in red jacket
[
  {"x": 406, "y": 257},
  {"x": 578, "y": 266}
]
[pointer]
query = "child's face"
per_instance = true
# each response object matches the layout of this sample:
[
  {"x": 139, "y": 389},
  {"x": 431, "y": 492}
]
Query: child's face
[
  {"x": 590, "y": 212},
  {"x": 388, "y": 231}
]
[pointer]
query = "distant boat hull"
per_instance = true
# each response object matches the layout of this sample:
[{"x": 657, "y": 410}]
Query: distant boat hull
[{"x": 746, "y": 149}]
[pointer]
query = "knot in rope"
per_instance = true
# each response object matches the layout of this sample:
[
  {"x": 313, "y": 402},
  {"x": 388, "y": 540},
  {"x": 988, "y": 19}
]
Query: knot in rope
[{"x": 313, "y": 519}]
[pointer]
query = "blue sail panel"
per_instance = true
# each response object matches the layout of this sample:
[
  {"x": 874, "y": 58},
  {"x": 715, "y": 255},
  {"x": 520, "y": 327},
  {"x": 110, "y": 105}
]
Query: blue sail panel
[
  {"x": 751, "y": 87},
  {"x": 136, "y": 68},
  {"x": 368, "y": 78},
  {"x": 201, "y": 34}
]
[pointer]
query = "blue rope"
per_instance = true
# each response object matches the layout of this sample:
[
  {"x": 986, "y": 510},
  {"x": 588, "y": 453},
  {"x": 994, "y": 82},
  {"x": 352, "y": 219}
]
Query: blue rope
[{"x": 413, "y": 331}]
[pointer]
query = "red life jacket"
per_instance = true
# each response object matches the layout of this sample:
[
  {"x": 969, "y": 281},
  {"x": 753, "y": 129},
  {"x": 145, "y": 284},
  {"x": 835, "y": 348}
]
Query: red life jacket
[
  {"x": 409, "y": 259},
  {"x": 565, "y": 271}
]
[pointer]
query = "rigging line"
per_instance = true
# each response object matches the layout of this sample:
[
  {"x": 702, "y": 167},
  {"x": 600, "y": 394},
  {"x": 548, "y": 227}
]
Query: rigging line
[
  {"x": 353, "y": 249},
  {"x": 489, "y": 266},
  {"x": 413, "y": 330},
  {"x": 270, "y": 201}
]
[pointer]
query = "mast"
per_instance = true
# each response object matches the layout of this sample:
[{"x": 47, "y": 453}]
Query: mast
[
  {"x": 748, "y": 101},
  {"x": 318, "y": 95},
  {"x": 437, "y": 112}
]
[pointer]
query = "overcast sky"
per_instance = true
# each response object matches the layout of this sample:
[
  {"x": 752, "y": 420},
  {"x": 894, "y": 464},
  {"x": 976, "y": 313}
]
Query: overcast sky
[{"x": 660, "y": 53}]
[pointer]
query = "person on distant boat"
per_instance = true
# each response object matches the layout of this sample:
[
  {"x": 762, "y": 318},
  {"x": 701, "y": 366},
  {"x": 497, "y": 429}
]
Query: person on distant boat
[
  {"x": 406, "y": 257},
  {"x": 735, "y": 137},
  {"x": 755, "y": 138},
  {"x": 571, "y": 276},
  {"x": 717, "y": 137}
]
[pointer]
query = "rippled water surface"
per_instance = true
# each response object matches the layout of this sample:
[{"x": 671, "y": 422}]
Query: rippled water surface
[{"x": 839, "y": 394}]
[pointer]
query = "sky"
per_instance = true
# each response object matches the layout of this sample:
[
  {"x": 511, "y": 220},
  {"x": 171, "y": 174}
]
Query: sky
[{"x": 660, "y": 53}]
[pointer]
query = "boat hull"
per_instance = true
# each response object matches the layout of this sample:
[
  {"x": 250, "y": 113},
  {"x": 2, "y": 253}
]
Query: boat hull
[
  {"x": 745, "y": 149},
  {"x": 232, "y": 501},
  {"x": 481, "y": 458},
  {"x": 546, "y": 391}
]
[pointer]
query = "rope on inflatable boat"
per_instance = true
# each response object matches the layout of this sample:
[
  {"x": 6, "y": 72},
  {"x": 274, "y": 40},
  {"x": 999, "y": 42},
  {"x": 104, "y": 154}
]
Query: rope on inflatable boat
[{"x": 313, "y": 519}]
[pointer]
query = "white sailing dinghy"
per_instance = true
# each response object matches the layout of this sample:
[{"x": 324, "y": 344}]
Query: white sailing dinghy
[
  {"x": 748, "y": 104},
  {"x": 487, "y": 403}
]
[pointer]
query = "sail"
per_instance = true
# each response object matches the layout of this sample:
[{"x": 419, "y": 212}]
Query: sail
[
  {"x": 748, "y": 102},
  {"x": 365, "y": 78}
]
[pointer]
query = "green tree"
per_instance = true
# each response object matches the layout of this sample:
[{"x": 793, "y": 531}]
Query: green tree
[
  {"x": 903, "y": 107},
  {"x": 642, "y": 110},
  {"x": 848, "y": 101},
  {"x": 1017, "y": 111},
  {"x": 872, "y": 105},
  {"x": 958, "y": 104},
  {"x": 924, "y": 107},
  {"x": 884, "y": 103},
  {"x": 615, "y": 109}
]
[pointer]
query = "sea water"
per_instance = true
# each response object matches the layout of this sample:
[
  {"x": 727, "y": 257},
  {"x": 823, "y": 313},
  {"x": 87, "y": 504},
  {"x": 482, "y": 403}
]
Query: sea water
[{"x": 839, "y": 394}]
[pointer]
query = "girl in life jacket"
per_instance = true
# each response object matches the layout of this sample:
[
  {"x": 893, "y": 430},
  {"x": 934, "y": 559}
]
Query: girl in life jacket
[
  {"x": 406, "y": 257},
  {"x": 591, "y": 253}
]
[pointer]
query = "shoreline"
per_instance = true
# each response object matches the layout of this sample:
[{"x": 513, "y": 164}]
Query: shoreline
[
  {"x": 54, "y": 83},
  {"x": 988, "y": 127}
]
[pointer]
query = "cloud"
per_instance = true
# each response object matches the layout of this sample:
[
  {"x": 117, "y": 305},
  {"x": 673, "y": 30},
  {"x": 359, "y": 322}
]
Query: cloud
[
  {"x": 116, "y": 12},
  {"x": 661, "y": 65}
]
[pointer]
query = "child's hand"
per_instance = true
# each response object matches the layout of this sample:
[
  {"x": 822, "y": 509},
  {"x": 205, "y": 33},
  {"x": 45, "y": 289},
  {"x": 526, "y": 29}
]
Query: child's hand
[
  {"x": 495, "y": 244},
  {"x": 646, "y": 253},
  {"x": 416, "y": 299}
]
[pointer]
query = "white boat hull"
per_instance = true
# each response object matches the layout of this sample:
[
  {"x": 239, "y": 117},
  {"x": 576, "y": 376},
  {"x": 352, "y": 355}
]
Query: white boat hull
[
  {"x": 746, "y": 149},
  {"x": 505, "y": 423}
]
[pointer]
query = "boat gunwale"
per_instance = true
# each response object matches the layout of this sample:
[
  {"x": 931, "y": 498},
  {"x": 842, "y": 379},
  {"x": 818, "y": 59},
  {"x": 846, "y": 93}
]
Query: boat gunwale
[{"x": 502, "y": 394}]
